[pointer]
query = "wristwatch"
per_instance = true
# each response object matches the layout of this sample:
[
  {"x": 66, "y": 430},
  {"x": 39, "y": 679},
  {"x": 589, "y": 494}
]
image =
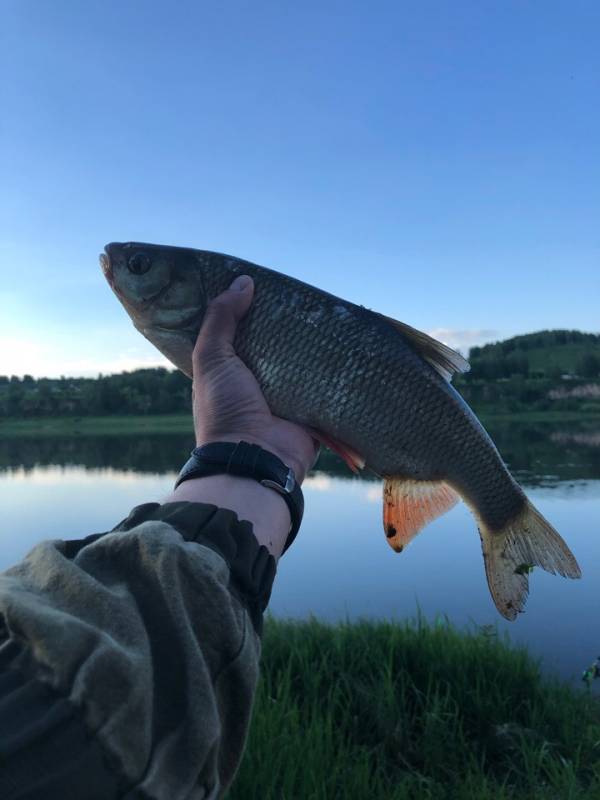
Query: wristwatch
[{"x": 248, "y": 461}]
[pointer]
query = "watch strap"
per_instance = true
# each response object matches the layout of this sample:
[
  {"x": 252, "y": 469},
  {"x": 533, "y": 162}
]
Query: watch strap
[{"x": 248, "y": 461}]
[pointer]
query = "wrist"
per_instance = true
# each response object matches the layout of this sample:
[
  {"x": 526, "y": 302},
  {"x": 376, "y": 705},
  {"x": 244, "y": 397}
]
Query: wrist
[
  {"x": 259, "y": 505},
  {"x": 251, "y": 461},
  {"x": 291, "y": 460}
]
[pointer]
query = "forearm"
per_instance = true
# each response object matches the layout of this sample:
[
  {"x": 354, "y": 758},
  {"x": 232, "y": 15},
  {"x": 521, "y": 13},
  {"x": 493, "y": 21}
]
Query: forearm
[
  {"x": 261, "y": 506},
  {"x": 148, "y": 635},
  {"x": 145, "y": 640}
]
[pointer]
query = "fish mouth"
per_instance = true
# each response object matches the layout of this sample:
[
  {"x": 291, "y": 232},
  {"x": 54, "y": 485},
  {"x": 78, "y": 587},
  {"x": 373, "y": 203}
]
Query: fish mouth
[{"x": 104, "y": 259}]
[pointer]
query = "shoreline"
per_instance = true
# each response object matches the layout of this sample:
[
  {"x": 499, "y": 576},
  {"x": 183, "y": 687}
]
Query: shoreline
[
  {"x": 118, "y": 424},
  {"x": 183, "y": 423}
]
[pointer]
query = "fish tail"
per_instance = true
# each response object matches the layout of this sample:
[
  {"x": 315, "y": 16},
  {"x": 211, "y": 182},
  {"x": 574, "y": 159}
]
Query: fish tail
[{"x": 509, "y": 554}]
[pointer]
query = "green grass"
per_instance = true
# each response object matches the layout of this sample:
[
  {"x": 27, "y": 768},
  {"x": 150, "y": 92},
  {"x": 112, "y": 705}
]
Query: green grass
[
  {"x": 54, "y": 426},
  {"x": 391, "y": 712}
]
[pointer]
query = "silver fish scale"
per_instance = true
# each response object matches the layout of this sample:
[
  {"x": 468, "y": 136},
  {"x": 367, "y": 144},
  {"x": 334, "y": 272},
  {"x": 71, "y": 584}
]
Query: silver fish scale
[{"x": 347, "y": 371}]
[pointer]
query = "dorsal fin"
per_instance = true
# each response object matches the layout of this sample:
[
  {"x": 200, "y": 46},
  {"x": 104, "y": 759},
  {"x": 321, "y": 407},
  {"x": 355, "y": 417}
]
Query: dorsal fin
[{"x": 442, "y": 358}]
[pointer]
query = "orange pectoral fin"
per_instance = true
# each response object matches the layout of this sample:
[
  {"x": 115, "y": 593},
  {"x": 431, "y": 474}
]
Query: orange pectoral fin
[
  {"x": 408, "y": 506},
  {"x": 353, "y": 459}
]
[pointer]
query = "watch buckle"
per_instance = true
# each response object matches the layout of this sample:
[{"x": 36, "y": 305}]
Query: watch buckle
[{"x": 290, "y": 482}]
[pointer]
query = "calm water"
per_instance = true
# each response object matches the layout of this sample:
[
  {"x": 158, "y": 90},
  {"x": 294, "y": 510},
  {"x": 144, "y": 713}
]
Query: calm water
[{"x": 341, "y": 566}]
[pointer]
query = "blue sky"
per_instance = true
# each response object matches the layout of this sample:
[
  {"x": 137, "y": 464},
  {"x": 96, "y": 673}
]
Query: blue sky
[{"x": 436, "y": 161}]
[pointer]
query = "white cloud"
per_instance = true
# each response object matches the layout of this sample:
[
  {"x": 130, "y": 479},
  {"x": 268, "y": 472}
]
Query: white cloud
[{"x": 464, "y": 339}]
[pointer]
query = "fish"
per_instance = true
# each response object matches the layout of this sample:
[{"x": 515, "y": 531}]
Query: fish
[{"x": 373, "y": 389}]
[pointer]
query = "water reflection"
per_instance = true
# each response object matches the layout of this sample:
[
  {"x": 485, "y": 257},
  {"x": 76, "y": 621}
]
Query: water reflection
[
  {"x": 143, "y": 453},
  {"x": 545, "y": 454},
  {"x": 542, "y": 454},
  {"x": 341, "y": 565}
]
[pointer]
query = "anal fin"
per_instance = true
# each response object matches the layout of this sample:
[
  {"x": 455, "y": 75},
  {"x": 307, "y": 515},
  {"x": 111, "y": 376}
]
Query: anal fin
[{"x": 408, "y": 506}]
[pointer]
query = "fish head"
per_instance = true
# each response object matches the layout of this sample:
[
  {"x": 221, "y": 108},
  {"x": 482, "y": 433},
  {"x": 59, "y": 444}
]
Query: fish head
[
  {"x": 162, "y": 290},
  {"x": 137, "y": 273}
]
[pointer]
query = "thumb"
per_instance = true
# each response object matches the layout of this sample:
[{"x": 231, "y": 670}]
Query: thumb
[{"x": 222, "y": 317}]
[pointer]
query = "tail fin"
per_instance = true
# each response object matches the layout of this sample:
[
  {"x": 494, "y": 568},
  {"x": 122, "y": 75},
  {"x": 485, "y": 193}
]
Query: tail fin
[{"x": 528, "y": 540}]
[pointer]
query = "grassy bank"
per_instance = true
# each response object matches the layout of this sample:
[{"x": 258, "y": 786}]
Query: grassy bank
[
  {"x": 390, "y": 712},
  {"x": 182, "y": 423},
  {"x": 60, "y": 426}
]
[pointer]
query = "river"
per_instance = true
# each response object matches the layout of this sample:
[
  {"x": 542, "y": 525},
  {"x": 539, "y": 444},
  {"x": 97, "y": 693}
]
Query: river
[{"x": 340, "y": 566}]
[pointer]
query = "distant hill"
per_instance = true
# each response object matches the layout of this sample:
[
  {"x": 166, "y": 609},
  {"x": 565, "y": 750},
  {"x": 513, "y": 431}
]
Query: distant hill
[
  {"x": 545, "y": 354},
  {"x": 548, "y": 371}
]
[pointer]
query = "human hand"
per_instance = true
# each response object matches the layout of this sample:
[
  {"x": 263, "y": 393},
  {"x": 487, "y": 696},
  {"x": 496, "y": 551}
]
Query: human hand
[{"x": 228, "y": 403}]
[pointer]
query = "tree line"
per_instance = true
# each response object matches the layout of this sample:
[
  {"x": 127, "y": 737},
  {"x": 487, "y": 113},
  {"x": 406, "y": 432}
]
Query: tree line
[
  {"x": 516, "y": 373},
  {"x": 546, "y": 354},
  {"x": 143, "y": 391}
]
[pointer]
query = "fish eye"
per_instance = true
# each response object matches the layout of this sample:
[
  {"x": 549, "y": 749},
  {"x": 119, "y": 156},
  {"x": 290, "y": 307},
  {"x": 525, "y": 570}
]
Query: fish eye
[{"x": 139, "y": 263}]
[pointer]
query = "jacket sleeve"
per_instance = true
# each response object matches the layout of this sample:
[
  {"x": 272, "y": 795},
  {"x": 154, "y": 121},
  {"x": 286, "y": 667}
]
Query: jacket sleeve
[{"x": 129, "y": 659}]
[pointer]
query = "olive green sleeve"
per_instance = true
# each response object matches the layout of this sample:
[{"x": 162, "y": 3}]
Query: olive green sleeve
[{"x": 152, "y": 632}]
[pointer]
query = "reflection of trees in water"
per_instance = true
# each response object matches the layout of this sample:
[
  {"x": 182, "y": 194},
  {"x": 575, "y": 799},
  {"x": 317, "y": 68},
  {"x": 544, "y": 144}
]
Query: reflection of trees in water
[
  {"x": 139, "y": 453},
  {"x": 586, "y": 438},
  {"x": 147, "y": 453},
  {"x": 533, "y": 452},
  {"x": 549, "y": 452}
]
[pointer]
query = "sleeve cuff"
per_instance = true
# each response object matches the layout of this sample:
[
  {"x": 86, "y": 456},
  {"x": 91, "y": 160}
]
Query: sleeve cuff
[{"x": 252, "y": 567}]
